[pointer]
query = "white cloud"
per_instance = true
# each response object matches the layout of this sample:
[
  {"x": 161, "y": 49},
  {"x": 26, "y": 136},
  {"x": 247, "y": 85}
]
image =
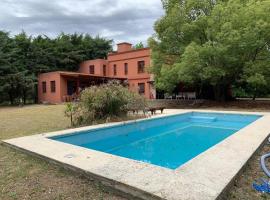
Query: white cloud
[
  {"x": 121, "y": 20},
  {"x": 108, "y": 33}
]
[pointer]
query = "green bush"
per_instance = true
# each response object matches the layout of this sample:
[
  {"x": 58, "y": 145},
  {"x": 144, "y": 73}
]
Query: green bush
[
  {"x": 240, "y": 92},
  {"x": 104, "y": 102},
  {"x": 70, "y": 111}
]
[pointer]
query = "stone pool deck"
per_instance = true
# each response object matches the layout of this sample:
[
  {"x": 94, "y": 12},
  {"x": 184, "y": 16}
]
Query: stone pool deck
[{"x": 204, "y": 177}]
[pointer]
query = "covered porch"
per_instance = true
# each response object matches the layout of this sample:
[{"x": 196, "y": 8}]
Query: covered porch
[{"x": 73, "y": 83}]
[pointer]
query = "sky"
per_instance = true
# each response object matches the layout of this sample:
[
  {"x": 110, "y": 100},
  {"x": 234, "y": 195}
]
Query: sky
[{"x": 121, "y": 20}]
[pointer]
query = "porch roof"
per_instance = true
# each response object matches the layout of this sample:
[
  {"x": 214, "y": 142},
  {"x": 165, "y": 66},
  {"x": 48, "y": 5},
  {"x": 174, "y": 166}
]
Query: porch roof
[{"x": 91, "y": 76}]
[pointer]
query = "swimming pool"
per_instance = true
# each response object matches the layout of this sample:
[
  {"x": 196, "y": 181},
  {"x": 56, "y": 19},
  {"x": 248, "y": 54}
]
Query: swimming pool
[{"x": 167, "y": 142}]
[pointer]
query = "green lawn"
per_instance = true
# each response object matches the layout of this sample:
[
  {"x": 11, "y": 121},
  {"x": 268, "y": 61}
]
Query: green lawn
[
  {"x": 28, "y": 120},
  {"x": 26, "y": 177}
]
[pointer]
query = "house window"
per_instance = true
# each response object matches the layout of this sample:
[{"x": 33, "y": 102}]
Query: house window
[
  {"x": 141, "y": 65},
  {"x": 92, "y": 69},
  {"x": 114, "y": 70},
  {"x": 52, "y": 86},
  {"x": 126, "y": 69},
  {"x": 44, "y": 89},
  {"x": 141, "y": 87},
  {"x": 104, "y": 70}
]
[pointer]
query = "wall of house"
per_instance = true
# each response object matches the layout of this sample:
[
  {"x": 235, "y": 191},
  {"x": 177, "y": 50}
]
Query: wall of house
[
  {"x": 50, "y": 97},
  {"x": 134, "y": 86},
  {"x": 63, "y": 86},
  {"x": 134, "y": 78},
  {"x": 98, "y": 66}
]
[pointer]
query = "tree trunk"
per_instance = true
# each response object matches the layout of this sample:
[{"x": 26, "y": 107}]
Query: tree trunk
[
  {"x": 11, "y": 98},
  {"x": 36, "y": 94},
  {"x": 71, "y": 119},
  {"x": 254, "y": 95},
  {"x": 24, "y": 97},
  {"x": 222, "y": 92}
]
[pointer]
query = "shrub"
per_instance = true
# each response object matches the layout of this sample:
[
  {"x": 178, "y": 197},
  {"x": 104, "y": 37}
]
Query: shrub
[
  {"x": 101, "y": 103},
  {"x": 70, "y": 111},
  {"x": 136, "y": 102}
]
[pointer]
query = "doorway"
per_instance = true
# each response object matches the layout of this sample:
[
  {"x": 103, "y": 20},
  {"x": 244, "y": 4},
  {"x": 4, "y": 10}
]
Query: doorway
[{"x": 71, "y": 87}]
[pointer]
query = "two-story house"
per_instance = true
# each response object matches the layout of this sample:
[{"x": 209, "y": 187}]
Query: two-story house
[{"x": 126, "y": 64}]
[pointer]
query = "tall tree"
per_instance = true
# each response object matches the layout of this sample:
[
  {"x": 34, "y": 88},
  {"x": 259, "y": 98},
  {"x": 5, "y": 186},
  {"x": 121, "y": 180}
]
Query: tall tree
[
  {"x": 7, "y": 70},
  {"x": 23, "y": 57},
  {"x": 138, "y": 45},
  {"x": 216, "y": 43}
]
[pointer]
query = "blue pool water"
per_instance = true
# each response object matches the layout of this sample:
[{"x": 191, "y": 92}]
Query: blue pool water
[{"x": 168, "y": 142}]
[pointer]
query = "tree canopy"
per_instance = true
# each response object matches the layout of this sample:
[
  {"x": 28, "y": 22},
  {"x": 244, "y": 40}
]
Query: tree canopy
[
  {"x": 213, "y": 44},
  {"x": 139, "y": 45},
  {"x": 23, "y": 57}
]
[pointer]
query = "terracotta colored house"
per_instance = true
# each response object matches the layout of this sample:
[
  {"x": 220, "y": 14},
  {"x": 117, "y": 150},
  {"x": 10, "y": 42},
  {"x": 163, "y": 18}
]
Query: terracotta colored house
[{"x": 126, "y": 64}]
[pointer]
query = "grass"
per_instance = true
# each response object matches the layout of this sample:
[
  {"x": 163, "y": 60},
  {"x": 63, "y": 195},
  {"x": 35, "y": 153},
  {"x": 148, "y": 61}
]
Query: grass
[
  {"x": 27, "y": 177},
  {"x": 28, "y": 120}
]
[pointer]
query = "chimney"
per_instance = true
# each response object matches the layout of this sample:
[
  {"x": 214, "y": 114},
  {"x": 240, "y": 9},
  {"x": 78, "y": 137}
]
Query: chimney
[{"x": 122, "y": 47}]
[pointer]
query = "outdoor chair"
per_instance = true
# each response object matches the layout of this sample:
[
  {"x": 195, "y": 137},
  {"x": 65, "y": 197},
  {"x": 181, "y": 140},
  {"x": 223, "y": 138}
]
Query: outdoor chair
[
  {"x": 180, "y": 95},
  {"x": 168, "y": 97},
  {"x": 191, "y": 95}
]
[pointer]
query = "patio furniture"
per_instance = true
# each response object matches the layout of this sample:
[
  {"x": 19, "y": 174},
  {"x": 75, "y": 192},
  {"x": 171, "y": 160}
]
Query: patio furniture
[
  {"x": 190, "y": 95},
  {"x": 167, "y": 96},
  {"x": 67, "y": 98},
  {"x": 71, "y": 98},
  {"x": 154, "y": 109},
  {"x": 180, "y": 95}
]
